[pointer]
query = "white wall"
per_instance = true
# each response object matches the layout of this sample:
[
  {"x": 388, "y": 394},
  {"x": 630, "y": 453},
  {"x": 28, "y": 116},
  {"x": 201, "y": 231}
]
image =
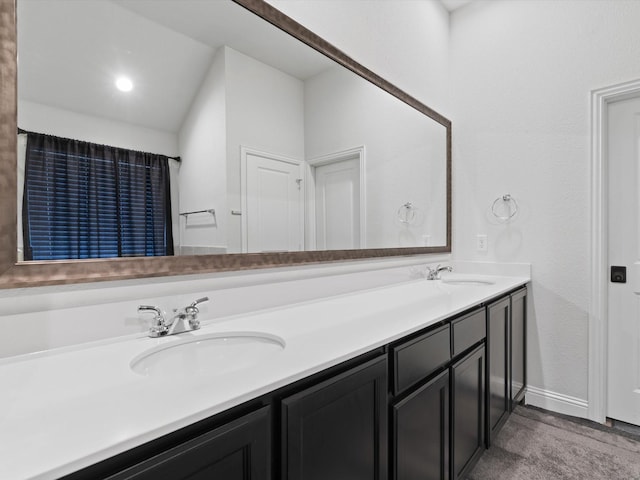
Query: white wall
[
  {"x": 265, "y": 111},
  {"x": 40, "y": 118},
  {"x": 522, "y": 72},
  {"x": 405, "y": 154},
  {"x": 46, "y": 317},
  {"x": 242, "y": 102},
  {"x": 203, "y": 170},
  {"x": 404, "y": 41}
]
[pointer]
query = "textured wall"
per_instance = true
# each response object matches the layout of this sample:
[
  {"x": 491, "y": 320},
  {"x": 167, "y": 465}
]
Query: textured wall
[
  {"x": 265, "y": 111},
  {"x": 203, "y": 170},
  {"x": 40, "y": 118},
  {"x": 405, "y": 154},
  {"x": 403, "y": 41},
  {"x": 522, "y": 72}
]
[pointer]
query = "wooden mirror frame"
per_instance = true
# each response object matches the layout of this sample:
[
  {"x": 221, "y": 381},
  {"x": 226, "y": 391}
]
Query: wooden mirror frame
[{"x": 14, "y": 274}]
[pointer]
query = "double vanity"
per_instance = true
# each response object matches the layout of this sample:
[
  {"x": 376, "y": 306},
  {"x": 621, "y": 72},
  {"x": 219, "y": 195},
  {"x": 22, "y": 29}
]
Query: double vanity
[
  {"x": 405, "y": 381},
  {"x": 399, "y": 382}
]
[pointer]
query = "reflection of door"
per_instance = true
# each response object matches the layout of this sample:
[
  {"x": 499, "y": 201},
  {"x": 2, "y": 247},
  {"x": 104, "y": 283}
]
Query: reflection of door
[
  {"x": 272, "y": 196},
  {"x": 338, "y": 205},
  {"x": 623, "y": 395},
  {"x": 337, "y": 201}
]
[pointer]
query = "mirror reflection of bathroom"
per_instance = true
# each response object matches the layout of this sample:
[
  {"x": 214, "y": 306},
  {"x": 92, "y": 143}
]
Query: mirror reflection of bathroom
[{"x": 190, "y": 140}]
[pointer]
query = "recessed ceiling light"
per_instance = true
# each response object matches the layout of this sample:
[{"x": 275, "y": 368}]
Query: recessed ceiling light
[{"x": 124, "y": 84}]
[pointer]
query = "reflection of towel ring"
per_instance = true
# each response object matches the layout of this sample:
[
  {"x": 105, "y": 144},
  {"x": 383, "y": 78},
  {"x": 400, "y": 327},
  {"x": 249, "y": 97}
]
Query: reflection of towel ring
[
  {"x": 509, "y": 203},
  {"x": 407, "y": 213}
]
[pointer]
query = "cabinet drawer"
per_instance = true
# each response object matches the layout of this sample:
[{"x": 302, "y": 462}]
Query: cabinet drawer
[
  {"x": 468, "y": 330},
  {"x": 418, "y": 358}
]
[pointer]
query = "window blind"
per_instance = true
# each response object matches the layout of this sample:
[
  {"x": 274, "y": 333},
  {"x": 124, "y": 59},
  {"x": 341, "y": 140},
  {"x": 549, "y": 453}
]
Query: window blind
[{"x": 83, "y": 200}]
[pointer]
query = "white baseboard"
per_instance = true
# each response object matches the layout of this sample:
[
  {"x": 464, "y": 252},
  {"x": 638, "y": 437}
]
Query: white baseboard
[{"x": 557, "y": 402}]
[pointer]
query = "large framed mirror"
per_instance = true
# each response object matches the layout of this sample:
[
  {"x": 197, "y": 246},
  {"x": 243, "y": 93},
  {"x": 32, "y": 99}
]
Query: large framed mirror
[{"x": 282, "y": 149}]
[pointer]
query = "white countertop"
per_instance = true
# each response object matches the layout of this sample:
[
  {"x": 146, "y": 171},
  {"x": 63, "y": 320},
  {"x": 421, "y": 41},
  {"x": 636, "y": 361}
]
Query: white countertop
[{"x": 69, "y": 408}]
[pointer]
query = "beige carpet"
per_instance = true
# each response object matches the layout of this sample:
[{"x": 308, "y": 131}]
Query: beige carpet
[{"x": 535, "y": 444}]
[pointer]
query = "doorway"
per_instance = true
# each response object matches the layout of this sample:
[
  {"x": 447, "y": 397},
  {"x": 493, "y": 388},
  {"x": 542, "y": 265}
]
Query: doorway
[{"x": 623, "y": 349}]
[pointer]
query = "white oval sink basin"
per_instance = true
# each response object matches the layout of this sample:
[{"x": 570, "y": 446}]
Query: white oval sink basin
[
  {"x": 467, "y": 281},
  {"x": 212, "y": 354}
]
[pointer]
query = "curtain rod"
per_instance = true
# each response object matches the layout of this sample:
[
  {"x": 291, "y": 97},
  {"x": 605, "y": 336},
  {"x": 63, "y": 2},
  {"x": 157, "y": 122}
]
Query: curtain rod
[{"x": 23, "y": 131}]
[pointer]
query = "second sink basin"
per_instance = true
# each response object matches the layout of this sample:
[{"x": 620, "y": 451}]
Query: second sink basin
[
  {"x": 212, "y": 354},
  {"x": 466, "y": 280}
]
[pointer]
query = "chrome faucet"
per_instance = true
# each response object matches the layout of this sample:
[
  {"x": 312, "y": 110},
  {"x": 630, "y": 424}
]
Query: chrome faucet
[
  {"x": 158, "y": 326},
  {"x": 184, "y": 320},
  {"x": 434, "y": 273}
]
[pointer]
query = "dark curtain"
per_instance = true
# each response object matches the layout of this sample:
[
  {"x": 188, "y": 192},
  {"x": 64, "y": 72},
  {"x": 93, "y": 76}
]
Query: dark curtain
[{"x": 83, "y": 200}]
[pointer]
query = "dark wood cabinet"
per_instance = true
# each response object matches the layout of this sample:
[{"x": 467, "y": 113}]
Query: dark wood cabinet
[
  {"x": 415, "y": 359},
  {"x": 518, "y": 331},
  {"x": 239, "y": 450},
  {"x": 506, "y": 358},
  {"x": 420, "y": 440},
  {"x": 468, "y": 330},
  {"x": 498, "y": 394},
  {"x": 337, "y": 429},
  {"x": 439, "y": 425},
  {"x": 467, "y": 411}
]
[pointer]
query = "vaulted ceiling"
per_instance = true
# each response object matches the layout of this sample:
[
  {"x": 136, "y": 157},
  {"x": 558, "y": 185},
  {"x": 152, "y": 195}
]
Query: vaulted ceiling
[{"x": 70, "y": 53}]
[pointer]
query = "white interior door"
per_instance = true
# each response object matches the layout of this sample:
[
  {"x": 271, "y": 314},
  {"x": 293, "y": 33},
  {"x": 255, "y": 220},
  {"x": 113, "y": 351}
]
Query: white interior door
[
  {"x": 273, "y": 214},
  {"x": 623, "y": 391},
  {"x": 337, "y": 205}
]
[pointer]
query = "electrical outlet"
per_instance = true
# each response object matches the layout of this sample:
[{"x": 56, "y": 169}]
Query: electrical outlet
[{"x": 481, "y": 243}]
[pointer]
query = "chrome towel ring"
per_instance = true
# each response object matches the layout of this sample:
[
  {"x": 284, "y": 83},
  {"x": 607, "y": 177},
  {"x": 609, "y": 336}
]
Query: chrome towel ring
[
  {"x": 407, "y": 213},
  {"x": 504, "y": 208}
]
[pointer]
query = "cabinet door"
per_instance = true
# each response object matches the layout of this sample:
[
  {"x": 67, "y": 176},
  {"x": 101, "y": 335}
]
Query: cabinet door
[
  {"x": 467, "y": 414},
  {"x": 498, "y": 403},
  {"x": 338, "y": 429},
  {"x": 238, "y": 450},
  {"x": 518, "y": 346},
  {"x": 421, "y": 433}
]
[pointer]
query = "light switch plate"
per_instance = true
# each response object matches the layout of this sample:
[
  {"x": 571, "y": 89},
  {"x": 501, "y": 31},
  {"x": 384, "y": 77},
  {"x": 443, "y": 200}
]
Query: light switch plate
[{"x": 481, "y": 243}]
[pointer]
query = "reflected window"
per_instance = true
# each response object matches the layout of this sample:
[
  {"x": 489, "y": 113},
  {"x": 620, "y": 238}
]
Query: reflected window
[{"x": 84, "y": 200}]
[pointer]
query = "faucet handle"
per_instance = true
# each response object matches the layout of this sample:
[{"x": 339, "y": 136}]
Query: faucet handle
[
  {"x": 434, "y": 273},
  {"x": 158, "y": 324},
  {"x": 199, "y": 301},
  {"x": 192, "y": 312},
  {"x": 430, "y": 273}
]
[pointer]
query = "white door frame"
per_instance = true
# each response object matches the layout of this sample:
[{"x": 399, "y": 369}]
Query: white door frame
[
  {"x": 244, "y": 151},
  {"x": 598, "y": 308},
  {"x": 351, "y": 153}
]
